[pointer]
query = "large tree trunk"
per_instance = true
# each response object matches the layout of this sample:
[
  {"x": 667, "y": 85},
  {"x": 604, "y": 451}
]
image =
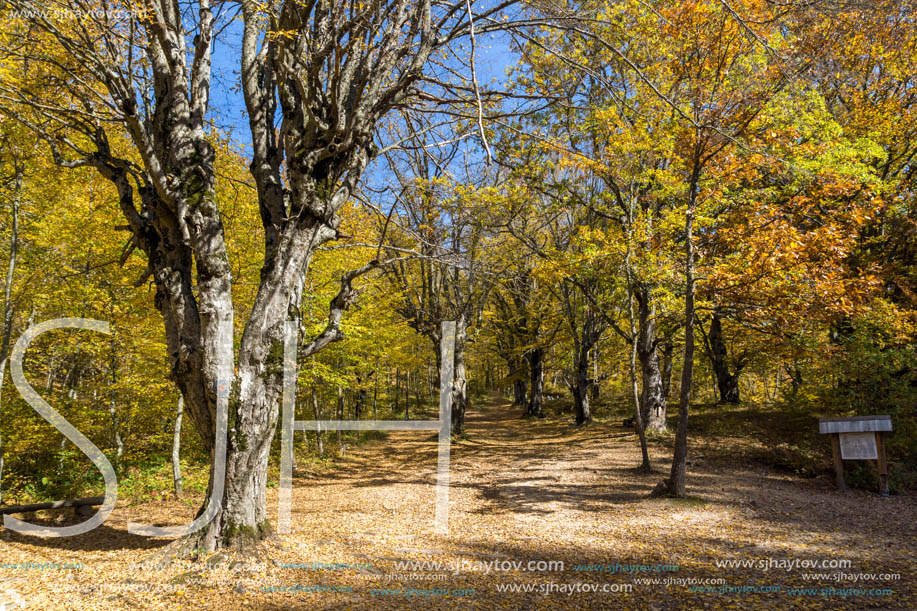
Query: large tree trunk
[
  {"x": 727, "y": 383},
  {"x": 254, "y": 404},
  {"x": 581, "y": 385},
  {"x": 582, "y": 382},
  {"x": 459, "y": 385},
  {"x": 535, "y": 407},
  {"x": 199, "y": 334},
  {"x": 253, "y": 394},
  {"x": 178, "y": 226},
  {"x": 519, "y": 390},
  {"x": 652, "y": 398},
  {"x": 581, "y": 410}
]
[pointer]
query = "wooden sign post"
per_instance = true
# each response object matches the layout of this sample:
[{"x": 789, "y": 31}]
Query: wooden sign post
[{"x": 858, "y": 438}]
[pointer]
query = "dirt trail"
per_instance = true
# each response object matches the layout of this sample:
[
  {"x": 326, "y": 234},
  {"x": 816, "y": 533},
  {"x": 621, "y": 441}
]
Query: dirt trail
[{"x": 521, "y": 491}]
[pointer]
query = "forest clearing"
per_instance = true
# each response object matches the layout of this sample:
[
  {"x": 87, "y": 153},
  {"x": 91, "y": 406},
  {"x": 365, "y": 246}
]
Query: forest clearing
[{"x": 520, "y": 493}]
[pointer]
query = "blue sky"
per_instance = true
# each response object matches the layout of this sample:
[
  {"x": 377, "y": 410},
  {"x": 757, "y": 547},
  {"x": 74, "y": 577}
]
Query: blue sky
[{"x": 227, "y": 108}]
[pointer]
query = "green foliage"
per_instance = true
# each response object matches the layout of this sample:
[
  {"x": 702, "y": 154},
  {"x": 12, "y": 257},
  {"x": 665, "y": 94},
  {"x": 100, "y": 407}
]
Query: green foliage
[{"x": 874, "y": 361}]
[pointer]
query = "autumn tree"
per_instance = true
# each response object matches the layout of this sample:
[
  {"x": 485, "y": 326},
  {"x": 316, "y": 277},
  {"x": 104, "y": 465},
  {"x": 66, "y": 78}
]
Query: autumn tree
[
  {"x": 700, "y": 73},
  {"x": 436, "y": 214},
  {"x": 523, "y": 319},
  {"x": 609, "y": 127},
  {"x": 864, "y": 57},
  {"x": 523, "y": 326},
  {"x": 131, "y": 93}
]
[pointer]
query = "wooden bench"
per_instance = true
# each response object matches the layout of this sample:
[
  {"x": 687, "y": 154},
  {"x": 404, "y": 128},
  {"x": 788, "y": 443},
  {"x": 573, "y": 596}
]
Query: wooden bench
[{"x": 83, "y": 506}]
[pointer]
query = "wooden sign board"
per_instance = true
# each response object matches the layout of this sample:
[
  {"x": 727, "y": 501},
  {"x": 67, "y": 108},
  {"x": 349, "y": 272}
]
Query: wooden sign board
[
  {"x": 858, "y": 446},
  {"x": 855, "y": 424},
  {"x": 858, "y": 438}
]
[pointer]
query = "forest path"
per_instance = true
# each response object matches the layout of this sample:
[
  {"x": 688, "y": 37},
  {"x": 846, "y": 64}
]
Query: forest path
[{"x": 521, "y": 491}]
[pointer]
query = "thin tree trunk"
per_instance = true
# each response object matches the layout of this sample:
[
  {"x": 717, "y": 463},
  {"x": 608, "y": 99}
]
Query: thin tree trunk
[
  {"x": 112, "y": 407},
  {"x": 777, "y": 381},
  {"x": 517, "y": 373},
  {"x": 667, "y": 353},
  {"x": 318, "y": 430},
  {"x": 407, "y": 389},
  {"x": 535, "y": 408},
  {"x": 635, "y": 343},
  {"x": 115, "y": 423},
  {"x": 340, "y": 414},
  {"x": 60, "y": 460},
  {"x": 795, "y": 374},
  {"x": 652, "y": 400},
  {"x": 594, "y": 389},
  {"x": 459, "y": 385},
  {"x": 638, "y": 406},
  {"x": 375, "y": 389},
  {"x": 53, "y": 366},
  {"x": 407, "y": 395},
  {"x": 727, "y": 383},
  {"x": 176, "y": 447},
  {"x": 361, "y": 402},
  {"x": 8, "y": 302},
  {"x": 676, "y": 484},
  {"x": 397, "y": 391},
  {"x": 293, "y": 466},
  {"x": 582, "y": 382}
]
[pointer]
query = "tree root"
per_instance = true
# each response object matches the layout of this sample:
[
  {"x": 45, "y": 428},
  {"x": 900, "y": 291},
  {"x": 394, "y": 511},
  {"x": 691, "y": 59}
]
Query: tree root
[
  {"x": 243, "y": 543},
  {"x": 664, "y": 489}
]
